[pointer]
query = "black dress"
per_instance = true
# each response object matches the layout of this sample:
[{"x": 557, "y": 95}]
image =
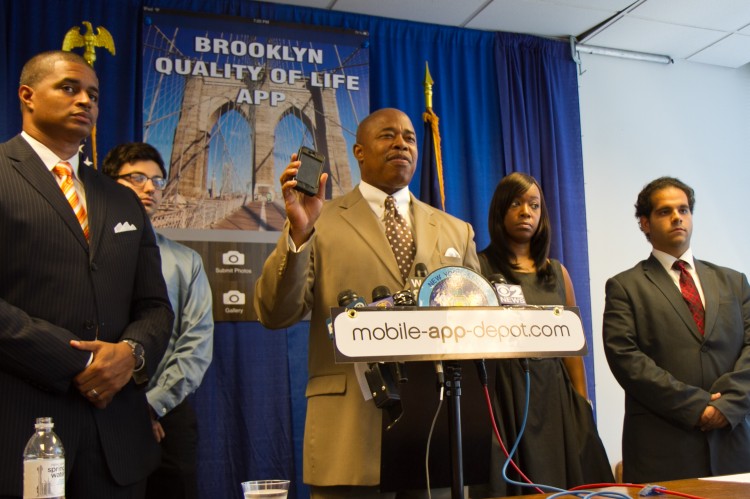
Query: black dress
[{"x": 560, "y": 445}]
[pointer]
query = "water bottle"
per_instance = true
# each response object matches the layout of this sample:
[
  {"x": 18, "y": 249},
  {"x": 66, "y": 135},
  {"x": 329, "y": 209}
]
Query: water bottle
[{"x": 44, "y": 463}]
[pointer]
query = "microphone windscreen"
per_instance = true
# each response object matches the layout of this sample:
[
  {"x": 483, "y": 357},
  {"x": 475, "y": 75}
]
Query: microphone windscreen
[
  {"x": 380, "y": 292},
  {"x": 498, "y": 279},
  {"x": 404, "y": 298},
  {"x": 346, "y": 297}
]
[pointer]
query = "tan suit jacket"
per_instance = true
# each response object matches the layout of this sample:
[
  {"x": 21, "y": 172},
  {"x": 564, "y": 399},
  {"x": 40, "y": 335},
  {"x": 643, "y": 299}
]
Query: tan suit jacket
[{"x": 348, "y": 250}]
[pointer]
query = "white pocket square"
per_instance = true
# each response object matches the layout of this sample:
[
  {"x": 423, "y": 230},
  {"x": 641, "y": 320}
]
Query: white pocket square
[
  {"x": 452, "y": 253},
  {"x": 124, "y": 227}
]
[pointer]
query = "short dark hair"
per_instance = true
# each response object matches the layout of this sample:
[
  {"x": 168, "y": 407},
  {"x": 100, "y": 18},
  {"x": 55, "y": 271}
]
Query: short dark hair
[
  {"x": 43, "y": 63},
  {"x": 131, "y": 152},
  {"x": 498, "y": 252},
  {"x": 644, "y": 205}
]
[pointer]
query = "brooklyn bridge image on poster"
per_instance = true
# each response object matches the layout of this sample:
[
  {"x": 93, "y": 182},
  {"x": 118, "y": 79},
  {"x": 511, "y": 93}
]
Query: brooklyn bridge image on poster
[{"x": 226, "y": 134}]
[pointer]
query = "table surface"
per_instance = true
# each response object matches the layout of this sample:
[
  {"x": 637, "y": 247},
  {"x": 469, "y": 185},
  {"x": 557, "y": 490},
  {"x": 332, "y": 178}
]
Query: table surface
[{"x": 709, "y": 489}]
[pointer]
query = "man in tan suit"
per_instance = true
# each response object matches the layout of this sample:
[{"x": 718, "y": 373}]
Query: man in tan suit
[{"x": 327, "y": 247}]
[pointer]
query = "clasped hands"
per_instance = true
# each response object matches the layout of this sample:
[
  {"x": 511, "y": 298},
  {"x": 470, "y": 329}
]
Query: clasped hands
[
  {"x": 712, "y": 418},
  {"x": 110, "y": 370}
]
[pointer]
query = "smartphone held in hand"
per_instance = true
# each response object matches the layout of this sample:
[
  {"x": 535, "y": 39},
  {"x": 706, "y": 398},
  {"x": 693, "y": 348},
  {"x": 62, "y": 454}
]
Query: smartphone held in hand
[{"x": 308, "y": 174}]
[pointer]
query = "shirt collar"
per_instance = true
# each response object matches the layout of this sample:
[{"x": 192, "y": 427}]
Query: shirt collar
[
  {"x": 668, "y": 260},
  {"x": 49, "y": 158},
  {"x": 376, "y": 198}
]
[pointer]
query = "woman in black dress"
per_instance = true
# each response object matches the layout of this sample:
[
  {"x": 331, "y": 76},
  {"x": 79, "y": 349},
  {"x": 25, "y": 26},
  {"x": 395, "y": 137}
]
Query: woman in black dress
[{"x": 560, "y": 445}]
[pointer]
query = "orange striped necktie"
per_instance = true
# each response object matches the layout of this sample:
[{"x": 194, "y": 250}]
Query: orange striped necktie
[{"x": 65, "y": 172}]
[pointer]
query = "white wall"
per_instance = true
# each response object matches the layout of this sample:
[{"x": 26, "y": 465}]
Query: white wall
[{"x": 642, "y": 120}]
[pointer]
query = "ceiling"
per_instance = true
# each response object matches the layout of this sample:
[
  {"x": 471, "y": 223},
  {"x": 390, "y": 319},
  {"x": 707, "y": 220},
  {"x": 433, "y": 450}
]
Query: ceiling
[{"x": 704, "y": 31}]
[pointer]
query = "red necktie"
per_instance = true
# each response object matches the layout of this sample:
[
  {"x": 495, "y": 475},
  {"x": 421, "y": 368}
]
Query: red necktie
[
  {"x": 64, "y": 171},
  {"x": 400, "y": 237},
  {"x": 690, "y": 294}
]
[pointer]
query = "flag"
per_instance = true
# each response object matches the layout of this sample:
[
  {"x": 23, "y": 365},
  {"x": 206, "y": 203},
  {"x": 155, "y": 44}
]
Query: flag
[
  {"x": 431, "y": 186},
  {"x": 87, "y": 150}
]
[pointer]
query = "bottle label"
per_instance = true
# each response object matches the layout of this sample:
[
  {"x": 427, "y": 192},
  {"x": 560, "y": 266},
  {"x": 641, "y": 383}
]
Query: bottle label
[{"x": 43, "y": 478}]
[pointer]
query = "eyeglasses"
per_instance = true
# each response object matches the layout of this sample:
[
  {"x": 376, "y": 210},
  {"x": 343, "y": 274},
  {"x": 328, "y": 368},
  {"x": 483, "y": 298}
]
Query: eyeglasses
[{"x": 140, "y": 179}]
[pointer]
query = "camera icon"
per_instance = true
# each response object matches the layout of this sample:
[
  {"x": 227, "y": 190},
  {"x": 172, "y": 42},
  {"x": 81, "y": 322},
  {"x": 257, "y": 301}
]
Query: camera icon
[
  {"x": 233, "y": 297},
  {"x": 233, "y": 258}
]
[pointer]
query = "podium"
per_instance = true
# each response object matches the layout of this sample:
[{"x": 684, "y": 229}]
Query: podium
[{"x": 420, "y": 336}]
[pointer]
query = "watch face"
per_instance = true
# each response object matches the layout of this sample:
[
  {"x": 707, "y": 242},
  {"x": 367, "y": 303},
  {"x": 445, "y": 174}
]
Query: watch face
[{"x": 138, "y": 350}]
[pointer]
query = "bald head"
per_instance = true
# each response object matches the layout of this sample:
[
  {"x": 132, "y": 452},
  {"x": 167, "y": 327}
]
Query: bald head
[{"x": 386, "y": 149}]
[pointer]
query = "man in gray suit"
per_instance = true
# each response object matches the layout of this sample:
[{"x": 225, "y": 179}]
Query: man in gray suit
[
  {"x": 341, "y": 244},
  {"x": 84, "y": 312},
  {"x": 677, "y": 338}
]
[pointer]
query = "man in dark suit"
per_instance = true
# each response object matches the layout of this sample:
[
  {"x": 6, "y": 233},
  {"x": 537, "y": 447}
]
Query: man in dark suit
[
  {"x": 677, "y": 338},
  {"x": 327, "y": 248},
  {"x": 84, "y": 312}
]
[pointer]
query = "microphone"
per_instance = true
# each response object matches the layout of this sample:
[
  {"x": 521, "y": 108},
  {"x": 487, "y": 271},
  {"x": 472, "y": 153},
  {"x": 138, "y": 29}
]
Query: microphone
[
  {"x": 404, "y": 298},
  {"x": 410, "y": 298},
  {"x": 498, "y": 279},
  {"x": 507, "y": 294},
  {"x": 420, "y": 272},
  {"x": 381, "y": 297},
  {"x": 383, "y": 378},
  {"x": 350, "y": 299}
]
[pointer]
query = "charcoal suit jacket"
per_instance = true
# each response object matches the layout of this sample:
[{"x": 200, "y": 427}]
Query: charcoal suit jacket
[
  {"x": 56, "y": 287},
  {"x": 669, "y": 371}
]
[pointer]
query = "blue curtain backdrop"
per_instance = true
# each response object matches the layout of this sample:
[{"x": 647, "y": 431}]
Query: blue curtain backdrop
[{"x": 506, "y": 102}]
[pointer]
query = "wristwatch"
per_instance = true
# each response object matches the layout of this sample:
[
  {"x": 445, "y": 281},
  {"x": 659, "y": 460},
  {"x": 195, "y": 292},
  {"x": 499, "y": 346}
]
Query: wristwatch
[{"x": 140, "y": 376}]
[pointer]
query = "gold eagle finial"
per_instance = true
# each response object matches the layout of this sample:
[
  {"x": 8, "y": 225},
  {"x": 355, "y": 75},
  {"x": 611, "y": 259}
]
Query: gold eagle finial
[{"x": 88, "y": 40}]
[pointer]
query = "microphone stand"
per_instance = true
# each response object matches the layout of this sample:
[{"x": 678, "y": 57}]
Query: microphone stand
[{"x": 453, "y": 394}]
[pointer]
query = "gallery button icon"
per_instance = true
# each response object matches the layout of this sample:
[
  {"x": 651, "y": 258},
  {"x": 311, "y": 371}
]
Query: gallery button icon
[{"x": 233, "y": 297}]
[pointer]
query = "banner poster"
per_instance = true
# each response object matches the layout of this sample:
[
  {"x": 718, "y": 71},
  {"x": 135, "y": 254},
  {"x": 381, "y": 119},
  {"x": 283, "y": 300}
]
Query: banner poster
[{"x": 227, "y": 101}]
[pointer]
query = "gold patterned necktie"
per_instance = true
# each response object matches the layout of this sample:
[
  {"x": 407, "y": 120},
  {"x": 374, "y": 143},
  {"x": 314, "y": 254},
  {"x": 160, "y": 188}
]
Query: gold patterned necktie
[
  {"x": 690, "y": 294},
  {"x": 400, "y": 237},
  {"x": 65, "y": 172}
]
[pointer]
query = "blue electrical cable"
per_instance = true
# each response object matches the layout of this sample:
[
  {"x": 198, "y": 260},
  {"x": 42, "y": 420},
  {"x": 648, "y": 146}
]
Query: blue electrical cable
[{"x": 585, "y": 494}]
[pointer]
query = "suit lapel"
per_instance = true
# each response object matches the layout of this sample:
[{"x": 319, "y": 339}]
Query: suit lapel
[
  {"x": 31, "y": 168},
  {"x": 710, "y": 289},
  {"x": 656, "y": 273},
  {"x": 426, "y": 233},
  {"x": 357, "y": 213},
  {"x": 96, "y": 204}
]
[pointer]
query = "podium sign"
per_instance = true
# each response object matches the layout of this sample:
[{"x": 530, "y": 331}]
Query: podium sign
[{"x": 370, "y": 334}]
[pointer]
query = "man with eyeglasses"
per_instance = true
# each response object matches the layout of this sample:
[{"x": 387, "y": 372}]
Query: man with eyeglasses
[{"x": 140, "y": 167}]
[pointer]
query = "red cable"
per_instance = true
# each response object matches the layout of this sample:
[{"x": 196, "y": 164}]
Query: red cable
[
  {"x": 579, "y": 487},
  {"x": 500, "y": 440}
]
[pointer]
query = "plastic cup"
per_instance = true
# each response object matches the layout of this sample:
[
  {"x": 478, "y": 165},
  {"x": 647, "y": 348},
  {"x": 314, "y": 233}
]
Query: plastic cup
[{"x": 265, "y": 489}]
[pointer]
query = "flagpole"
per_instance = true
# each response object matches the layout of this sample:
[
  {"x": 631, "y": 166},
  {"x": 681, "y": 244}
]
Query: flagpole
[{"x": 433, "y": 188}]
